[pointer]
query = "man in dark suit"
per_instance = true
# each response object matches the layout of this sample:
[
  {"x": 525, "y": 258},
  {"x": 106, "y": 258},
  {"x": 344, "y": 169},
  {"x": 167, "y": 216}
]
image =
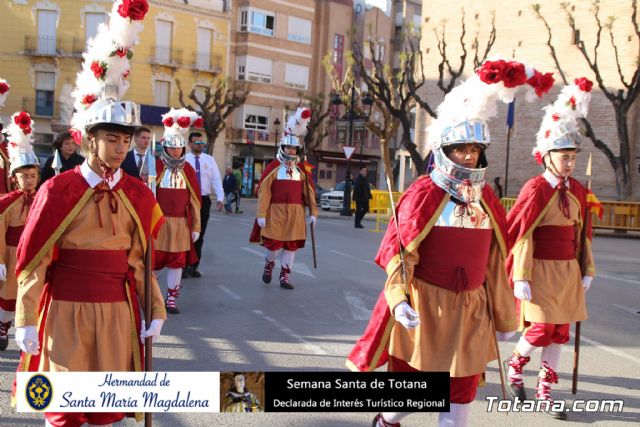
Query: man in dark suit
[
  {"x": 361, "y": 195},
  {"x": 132, "y": 164}
]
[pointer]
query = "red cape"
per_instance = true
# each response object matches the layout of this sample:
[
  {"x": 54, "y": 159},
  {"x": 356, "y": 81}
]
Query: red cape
[
  {"x": 191, "y": 179},
  {"x": 5, "y": 182},
  {"x": 9, "y": 199},
  {"x": 55, "y": 206},
  {"x": 418, "y": 209}
]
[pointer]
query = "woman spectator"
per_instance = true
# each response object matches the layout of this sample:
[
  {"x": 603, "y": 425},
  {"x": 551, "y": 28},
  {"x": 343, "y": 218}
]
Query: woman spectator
[{"x": 68, "y": 156}]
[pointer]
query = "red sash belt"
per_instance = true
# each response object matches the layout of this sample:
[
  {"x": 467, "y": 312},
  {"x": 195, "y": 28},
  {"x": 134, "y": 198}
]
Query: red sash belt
[
  {"x": 454, "y": 258},
  {"x": 90, "y": 275},
  {"x": 13, "y": 235},
  {"x": 284, "y": 191},
  {"x": 555, "y": 242},
  {"x": 173, "y": 201}
]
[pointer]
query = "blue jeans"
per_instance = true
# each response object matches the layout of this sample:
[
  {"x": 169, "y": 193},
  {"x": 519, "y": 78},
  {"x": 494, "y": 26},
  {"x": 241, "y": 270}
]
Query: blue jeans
[{"x": 228, "y": 199}]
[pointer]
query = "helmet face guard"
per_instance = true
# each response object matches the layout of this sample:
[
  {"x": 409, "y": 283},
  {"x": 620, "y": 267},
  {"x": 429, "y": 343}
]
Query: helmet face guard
[{"x": 173, "y": 141}]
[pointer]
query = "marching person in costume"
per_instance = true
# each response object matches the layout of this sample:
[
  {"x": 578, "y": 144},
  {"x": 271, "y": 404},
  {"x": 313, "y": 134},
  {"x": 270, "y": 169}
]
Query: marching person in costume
[
  {"x": 544, "y": 229},
  {"x": 80, "y": 261},
  {"x": 14, "y": 208},
  {"x": 447, "y": 294},
  {"x": 5, "y": 181},
  {"x": 179, "y": 196},
  {"x": 284, "y": 190}
]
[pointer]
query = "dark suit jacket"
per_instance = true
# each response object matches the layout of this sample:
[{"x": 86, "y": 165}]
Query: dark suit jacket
[
  {"x": 130, "y": 164},
  {"x": 361, "y": 190}
]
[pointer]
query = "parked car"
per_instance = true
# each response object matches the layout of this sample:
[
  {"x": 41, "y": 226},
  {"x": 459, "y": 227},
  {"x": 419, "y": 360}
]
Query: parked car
[
  {"x": 332, "y": 200},
  {"x": 319, "y": 192}
]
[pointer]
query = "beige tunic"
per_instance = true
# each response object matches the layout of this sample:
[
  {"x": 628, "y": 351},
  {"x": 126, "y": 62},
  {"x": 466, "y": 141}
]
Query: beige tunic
[
  {"x": 455, "y": 332},
  {"x": 175, "y": 234},
  {"x": 557, "y": 295},
  {"x": 14, "y": 216},
  {"x": 86, "y": 336},
  {"x": 285, "y": 221}
]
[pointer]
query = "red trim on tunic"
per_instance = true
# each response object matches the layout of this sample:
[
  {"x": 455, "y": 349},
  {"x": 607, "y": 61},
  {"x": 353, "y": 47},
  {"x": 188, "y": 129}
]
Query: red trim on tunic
[
  {"x": 461, "y": 389},
  {"x": 7, "y": 200},
  {"x": 555, "y": 242},
  {"x": 543, "y": 334},
  {"x": 287, "y": 192},
  {"x": 164, "y": 259},
  {"x": 445, "y": 260},
  {"x": 274, "y": 245},
  {"x": 101, "y": 272},
  {"x": 13, "y": 235},
  {"x": 174, "y": 202}
]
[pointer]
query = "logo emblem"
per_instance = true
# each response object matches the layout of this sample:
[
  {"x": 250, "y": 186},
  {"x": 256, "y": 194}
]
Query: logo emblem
[{"x": 39, "y": 392}]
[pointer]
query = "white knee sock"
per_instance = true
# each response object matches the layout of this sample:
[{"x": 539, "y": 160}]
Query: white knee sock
[
  {"x": 286, "y": 259},
  {"x": 271, "y": 255},
  {"x": 524, "y": 348},
  {"x": 458, "y": 417},
  {"x": 173, "y": 277},
  {"x": 551, "y": 355},
  {"x": 394, "y": 417},
  {"x": 5, "y": 316}
]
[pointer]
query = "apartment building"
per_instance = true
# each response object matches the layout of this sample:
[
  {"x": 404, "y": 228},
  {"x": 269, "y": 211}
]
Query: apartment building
[{"x": 43, "y": 41}]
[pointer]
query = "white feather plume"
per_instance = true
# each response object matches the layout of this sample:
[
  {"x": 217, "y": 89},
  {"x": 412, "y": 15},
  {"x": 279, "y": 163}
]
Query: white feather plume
[{"x": 19, "y": 141}]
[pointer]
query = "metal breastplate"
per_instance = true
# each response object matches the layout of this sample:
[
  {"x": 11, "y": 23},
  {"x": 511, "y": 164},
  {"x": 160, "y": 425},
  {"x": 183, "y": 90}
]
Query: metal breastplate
[
  {"x": 291, "y": 174},
  {"x": 173, "y": 180}
]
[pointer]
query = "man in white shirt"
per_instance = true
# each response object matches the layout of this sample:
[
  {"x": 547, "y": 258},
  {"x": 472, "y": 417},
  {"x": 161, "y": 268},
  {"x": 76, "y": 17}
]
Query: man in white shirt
[{"x": 210, "y": 182}]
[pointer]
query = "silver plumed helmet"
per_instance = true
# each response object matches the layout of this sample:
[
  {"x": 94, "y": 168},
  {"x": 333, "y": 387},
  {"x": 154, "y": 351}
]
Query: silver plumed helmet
[
  {"x": 122, "y": 113},
  {"x": 174, "y": 140},
  {"x": 288, "y": 141}
]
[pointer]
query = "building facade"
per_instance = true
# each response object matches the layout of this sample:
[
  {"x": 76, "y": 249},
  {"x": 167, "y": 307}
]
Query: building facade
[
  {"x": 519, "y": 34},
  {"x": 43, "y": 41}
]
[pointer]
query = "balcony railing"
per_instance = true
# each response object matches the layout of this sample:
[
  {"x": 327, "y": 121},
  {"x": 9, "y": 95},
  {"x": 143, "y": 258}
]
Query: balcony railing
[
  {"x": 162, "y": 55},
  {"x": 42, "y": 46},
  {"x": 204, "y": 61},
  {"x": 42, "y": 107}
]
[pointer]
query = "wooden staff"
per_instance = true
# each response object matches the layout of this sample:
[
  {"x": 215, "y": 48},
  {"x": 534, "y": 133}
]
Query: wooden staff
[
  {"x": 586, "y": 218},
  {"x": 150, "y": 166}
]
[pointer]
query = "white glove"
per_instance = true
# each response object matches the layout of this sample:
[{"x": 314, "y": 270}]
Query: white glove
[
  {"x": 3, "y": 272},
  {"x": 505, "y": 336},
  {"x": 406, "y": 315},
  {"x": 27, "y": 340},
  {"x": 154, "y": 330},
  {"x": 312, "y": 220},
  {"x": 194, "y": 236},
  {"x": 522, "y": 290},
  {"x": 262, "y": 222},
  {"x": 586, "y": 283}
]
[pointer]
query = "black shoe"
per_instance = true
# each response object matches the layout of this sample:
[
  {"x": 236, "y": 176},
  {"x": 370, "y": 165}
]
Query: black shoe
[
  {"x": 359, "y": 226},
  {"x": 238, "y": 211},
  {"x": 4, "y": 335},
  {"x": 558, "y": 415},
  {"x": 186, "y": 272},
  {"x": 268, "y": 271},
  {"x": 285, "y": 283},
  {"x": 195, "y": 273},
  {"x": 512, "y": 389}
]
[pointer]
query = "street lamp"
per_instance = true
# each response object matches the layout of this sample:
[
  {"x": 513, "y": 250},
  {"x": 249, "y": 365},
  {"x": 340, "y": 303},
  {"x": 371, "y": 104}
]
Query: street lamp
[
  {"x": 276, "y": 126},
  {"x": 350, "y": 116}
]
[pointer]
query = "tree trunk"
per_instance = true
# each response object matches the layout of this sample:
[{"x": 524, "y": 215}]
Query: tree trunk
[
  {"x": 622, "y": 171},
  {"x": 412, "y": 148},
  {"x": 386, "y": 159}
]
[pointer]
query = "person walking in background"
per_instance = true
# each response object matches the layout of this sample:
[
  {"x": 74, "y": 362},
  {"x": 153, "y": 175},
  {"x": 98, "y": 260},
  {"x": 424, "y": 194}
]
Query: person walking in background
[
  {"x": 230, "y": 186},
  {"x": 66, "y": 147},
  {"x": 237, "y": 172},
  {"x": 132, "y": 164},
  {"x": 361, "y": 195},
  {"x": 210, "y": 183},
  {"x": 498, "y": 187}
]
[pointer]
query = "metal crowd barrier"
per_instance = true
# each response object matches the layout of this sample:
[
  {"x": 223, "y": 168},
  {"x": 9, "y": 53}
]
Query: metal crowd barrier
[
  {"x": 381, "y": 206},
  {"x": 623, "y": 216}
]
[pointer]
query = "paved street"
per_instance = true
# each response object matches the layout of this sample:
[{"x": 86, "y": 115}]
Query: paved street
[{"x": 231, "y": 321}]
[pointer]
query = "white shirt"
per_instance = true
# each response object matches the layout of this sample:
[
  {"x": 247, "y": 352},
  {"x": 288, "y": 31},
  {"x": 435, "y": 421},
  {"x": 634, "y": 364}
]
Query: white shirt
[
  {"x": 210, "y": 180},
  {"x": 94, "y": 179},
  {"x": 552, "y": 179}
]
